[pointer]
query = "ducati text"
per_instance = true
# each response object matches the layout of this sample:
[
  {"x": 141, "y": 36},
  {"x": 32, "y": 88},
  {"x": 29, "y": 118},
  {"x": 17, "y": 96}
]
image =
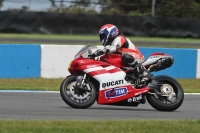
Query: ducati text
[
  {"x": 117, "y": 92},
  {"x": 112, "y": 83}
]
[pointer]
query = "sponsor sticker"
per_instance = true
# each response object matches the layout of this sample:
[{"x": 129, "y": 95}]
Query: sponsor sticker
[
  {"x": 152, "y": 57},
  {"x": 117, "y": 92},
  {"x": 134, "y": 99}
]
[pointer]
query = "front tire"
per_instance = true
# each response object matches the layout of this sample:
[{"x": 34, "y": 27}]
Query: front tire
[
  {"x": 81, "y": 100},
  {"x": 172, "y": 97}
]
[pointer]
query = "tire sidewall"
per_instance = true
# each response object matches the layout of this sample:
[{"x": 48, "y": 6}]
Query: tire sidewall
[
  {"x": 155, "y": 103},
  {"x": 72, "y": 103}
]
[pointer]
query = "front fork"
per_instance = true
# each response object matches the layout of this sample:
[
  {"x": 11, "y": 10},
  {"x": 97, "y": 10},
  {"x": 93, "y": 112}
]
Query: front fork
[{"x": 80, "y": 82}]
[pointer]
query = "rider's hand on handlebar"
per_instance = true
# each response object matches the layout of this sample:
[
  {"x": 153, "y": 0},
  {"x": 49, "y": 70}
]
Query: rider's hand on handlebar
[
  {"x": 92, "y": 56},
  {"x": 98, "y": 53}
]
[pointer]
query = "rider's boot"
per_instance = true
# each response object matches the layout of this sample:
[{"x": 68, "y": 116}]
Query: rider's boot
[{"x": 141, "y": 72}]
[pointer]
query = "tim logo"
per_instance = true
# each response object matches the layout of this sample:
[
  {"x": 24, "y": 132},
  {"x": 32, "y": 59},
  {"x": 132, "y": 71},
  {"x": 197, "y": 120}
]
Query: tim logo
[{"x": 117, "y": 92}]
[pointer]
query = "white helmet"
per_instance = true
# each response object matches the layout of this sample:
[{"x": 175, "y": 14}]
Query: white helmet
[{"x": 107, "y": 32}]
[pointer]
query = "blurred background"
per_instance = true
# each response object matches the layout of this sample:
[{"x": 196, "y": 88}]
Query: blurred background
[
  {"x": 147, "y": 18},
  {"x": 163, "y": 8}
]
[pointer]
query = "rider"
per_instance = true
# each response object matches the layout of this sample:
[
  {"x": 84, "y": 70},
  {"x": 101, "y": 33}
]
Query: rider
[{"x": 117, "y": 42}]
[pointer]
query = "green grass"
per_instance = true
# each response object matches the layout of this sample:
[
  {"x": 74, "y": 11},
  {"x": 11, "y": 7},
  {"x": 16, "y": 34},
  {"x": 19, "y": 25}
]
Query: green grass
[
  {"x": 30, "y": 84},
  {"x": 61, "y": 39},
  {"x": 94, "y": 37},
  {"x": 50, "y": 36},
  {"x": 189, "y": 85},
  {"x": 102, "y": 126}
]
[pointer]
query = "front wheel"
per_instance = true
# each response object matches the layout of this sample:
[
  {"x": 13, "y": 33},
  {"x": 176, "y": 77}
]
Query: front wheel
[
  {"x": 76, "y": 97},
  {"x": 170, "y": 96}
]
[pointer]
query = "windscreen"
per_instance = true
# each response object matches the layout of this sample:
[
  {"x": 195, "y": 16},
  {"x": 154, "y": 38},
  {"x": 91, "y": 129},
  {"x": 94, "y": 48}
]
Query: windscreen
[{"x": 84, "y": 49}]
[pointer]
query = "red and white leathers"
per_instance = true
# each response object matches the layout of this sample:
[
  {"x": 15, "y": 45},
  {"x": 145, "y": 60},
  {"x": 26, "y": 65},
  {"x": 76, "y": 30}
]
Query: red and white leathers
[
  {"x": 111, "y": 38},
  {"x": 122, "y": 45}
]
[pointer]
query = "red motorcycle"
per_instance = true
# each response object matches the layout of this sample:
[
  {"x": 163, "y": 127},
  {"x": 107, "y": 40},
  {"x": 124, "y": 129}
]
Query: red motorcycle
[{"x": 108, "y": 81}]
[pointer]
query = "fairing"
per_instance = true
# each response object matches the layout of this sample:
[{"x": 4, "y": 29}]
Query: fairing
[
  {"x": 113, "y": 59},
  {"x": 155, "y": 57},
  {"x": 120, "y": 93},
  {"x": 113, "y": 87}
]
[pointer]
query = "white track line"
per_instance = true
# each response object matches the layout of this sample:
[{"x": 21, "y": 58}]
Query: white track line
[{"x": 36, "y": 91}]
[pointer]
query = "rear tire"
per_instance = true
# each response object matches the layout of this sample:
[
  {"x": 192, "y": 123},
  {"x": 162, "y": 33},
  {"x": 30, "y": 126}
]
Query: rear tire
[
  {"x": 164, "y": 103},
  {"x": 74, "y": 100}
]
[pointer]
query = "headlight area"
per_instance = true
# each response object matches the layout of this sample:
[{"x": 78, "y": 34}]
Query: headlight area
[{"x": 73, "y": 65}]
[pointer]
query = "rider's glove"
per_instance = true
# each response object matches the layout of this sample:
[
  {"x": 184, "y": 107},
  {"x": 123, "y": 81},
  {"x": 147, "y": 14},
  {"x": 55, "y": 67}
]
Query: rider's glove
[
  {"x": 92, "y": 56},
  {"x": 96, "y": 53},
  {"x": 106, "y": 51}
]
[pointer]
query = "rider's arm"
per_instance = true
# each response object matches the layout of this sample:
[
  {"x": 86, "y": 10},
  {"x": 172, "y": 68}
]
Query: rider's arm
[{"x": 115, "y": 45}]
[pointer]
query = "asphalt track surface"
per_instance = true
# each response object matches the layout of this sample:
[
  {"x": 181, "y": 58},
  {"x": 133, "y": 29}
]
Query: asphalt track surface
[{"x": 49, "y": 106}]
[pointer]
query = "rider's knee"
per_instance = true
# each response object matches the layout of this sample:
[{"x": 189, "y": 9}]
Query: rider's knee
[{"x": 127, "y": 59}]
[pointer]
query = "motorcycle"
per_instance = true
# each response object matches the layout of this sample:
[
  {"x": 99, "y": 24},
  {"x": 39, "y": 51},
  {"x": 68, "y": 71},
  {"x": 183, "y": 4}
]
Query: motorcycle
[{"x": 106, "y": 80}]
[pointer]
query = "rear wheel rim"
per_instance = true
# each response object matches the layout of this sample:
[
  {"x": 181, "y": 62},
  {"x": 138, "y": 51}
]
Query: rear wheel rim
[{"x": 169, "y": 92}]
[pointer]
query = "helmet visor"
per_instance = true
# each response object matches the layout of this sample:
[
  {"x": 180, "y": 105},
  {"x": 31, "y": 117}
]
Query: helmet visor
[{"x": 103, "y": 34}]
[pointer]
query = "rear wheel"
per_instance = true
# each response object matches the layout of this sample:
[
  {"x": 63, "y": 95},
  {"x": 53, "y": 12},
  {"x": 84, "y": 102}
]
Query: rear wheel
[
  {"x": 171, "y": 97},
  {"x": 77, "y": 97}
]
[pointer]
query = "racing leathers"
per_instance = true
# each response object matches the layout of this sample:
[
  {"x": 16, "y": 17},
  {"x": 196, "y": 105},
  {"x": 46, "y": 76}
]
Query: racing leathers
[{"x": 131, "y": 56}]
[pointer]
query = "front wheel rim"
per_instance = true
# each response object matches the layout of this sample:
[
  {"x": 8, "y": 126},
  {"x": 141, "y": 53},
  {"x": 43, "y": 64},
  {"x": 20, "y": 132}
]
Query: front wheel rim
[{"x": 75, "y": 97}]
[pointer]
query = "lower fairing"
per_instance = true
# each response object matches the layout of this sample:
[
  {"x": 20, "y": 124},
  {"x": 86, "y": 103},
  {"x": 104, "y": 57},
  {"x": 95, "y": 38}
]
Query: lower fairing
[{"x": 123, "y": 95}]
